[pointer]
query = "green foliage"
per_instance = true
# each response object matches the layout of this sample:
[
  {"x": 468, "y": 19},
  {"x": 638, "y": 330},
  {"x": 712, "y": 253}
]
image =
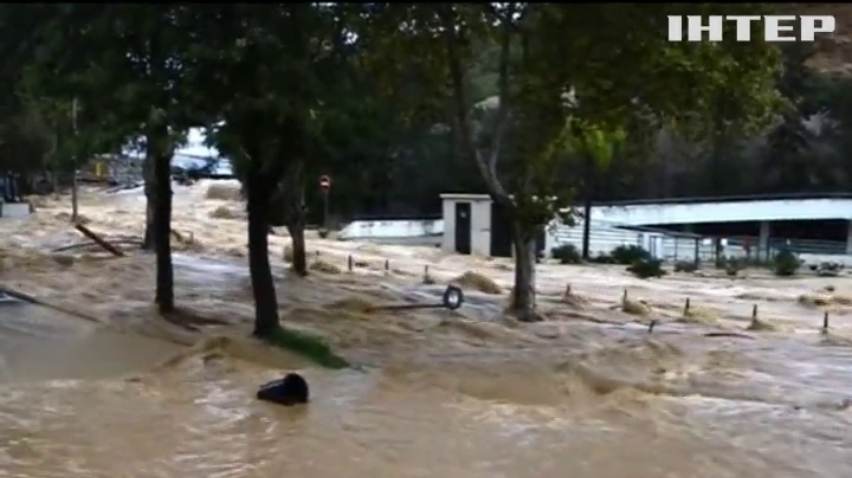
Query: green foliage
[
  {"x": 602, "y": 258},
  {"x": 310, "y": 347},
  {"x": 734, "y": 265},
  {"x": 647, "y": 268},
  {"x": 685, "y": 266},
  {"x": 785, "y": 263},
  {"x": 567, "y": 254},
  {"x": 627, "y": 255}
]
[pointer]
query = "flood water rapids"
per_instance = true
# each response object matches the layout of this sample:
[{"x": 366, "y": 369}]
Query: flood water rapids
[
  {"x": 458, "y": 395},
  {"x": 73, "y": 402}
]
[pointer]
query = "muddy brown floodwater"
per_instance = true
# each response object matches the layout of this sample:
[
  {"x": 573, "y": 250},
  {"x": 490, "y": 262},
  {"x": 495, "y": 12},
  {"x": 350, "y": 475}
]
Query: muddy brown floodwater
[{"x": 588, "y": 393}]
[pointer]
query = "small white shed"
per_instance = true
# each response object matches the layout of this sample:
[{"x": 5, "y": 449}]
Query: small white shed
[
  {"x": 467, "y": 224},
  {"x": 15, "y": 209}
]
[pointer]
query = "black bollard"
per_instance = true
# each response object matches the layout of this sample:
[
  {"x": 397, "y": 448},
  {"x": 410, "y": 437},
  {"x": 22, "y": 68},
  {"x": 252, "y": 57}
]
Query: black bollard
[{"x": 290, "y": 390}]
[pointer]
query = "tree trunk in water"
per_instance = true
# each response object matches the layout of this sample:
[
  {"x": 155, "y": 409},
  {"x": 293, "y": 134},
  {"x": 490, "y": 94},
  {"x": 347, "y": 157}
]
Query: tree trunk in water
[
  {"x": 161, "y": 231},
  {"x": 297, "y": 241},
  {"x": 587, "y": 224},
  {"x": 523, "y": 297},
  {"x": 150, "y": 198},
  {"x": 55, "y": 179},
  {"x": 589, "y": 190},
  {"x": 265, "y": 300},
  {"x": 294, "y": 205}
]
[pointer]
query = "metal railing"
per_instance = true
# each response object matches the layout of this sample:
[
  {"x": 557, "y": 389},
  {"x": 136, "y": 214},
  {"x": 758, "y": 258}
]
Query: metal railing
[{"x": 673, "y": 246}]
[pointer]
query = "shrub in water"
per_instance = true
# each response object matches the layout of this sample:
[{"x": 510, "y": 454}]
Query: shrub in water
[
  {"x": 735, "y": 265},
  {"x": 629, "y": 254},
  {"x": 566, "y": 254},
  {"x": 685, "y": 266},
  {"x": 785, "y": 263},
  {"x": 602, "y": 259},
  {"x": 644, "y": 269}
]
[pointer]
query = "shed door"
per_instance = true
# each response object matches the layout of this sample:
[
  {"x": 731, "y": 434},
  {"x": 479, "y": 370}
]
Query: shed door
[{"x": 463, "y": 227}]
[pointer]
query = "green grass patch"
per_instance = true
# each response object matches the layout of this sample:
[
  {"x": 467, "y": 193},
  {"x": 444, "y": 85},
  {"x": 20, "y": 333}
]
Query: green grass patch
[{"x": 308, "y": 346}]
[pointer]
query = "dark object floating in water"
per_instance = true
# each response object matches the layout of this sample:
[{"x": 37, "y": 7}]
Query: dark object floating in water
[
  {"x": 287, "y": 391},
  {"x": 729, "y": 334}
]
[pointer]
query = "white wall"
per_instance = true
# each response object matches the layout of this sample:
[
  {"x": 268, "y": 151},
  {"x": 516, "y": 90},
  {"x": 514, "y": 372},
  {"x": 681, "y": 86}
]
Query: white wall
[
  {"x": 448, "y": 240},
  {"x": 773, "y": 210},
  {"x": 480, "y": 225},
  {"x": 15, "y": 210},
  {"x": 603, "y": 238},
  {"x": 356, "y": 230}
]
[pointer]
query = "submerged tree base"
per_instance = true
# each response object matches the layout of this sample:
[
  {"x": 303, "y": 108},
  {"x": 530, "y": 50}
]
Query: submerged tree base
[{"x": 308, "y": 346}]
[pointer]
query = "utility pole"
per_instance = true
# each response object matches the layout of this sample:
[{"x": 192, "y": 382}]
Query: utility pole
[{"x": 74, "y": 207}]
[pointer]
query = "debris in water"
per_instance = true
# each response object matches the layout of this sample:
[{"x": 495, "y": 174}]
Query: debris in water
[
  {"x": 290, "y": 390},
  {"x": 63, "y": 260},
  {"x": 224, "y": 192},
  {"x": 634, "y": 307},
  {"x": 324, "y": 267},
  {"x": 221, "y": 212},
  {"x": 353, "y": 304},
  {"x": 814, "y": 300},
  {"x": 477, "y": 281}
]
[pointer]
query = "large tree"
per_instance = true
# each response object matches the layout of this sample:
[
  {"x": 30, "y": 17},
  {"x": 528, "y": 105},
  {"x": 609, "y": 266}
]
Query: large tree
[
  {"x": 599, "y": 64},
  {"x": 124, "y": 66},
  {"x": 267, "y": 77}
]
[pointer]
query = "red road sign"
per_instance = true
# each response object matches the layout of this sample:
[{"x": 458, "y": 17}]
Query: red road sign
[{"x": 325, "y": 182}]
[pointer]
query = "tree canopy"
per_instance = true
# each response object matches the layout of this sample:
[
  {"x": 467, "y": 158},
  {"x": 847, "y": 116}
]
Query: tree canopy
[{"x": 539, "y": 104}]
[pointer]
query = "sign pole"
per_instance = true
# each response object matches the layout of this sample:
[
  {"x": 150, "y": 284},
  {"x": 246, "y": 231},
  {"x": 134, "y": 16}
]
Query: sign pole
[{"x": 325, "y": 187}]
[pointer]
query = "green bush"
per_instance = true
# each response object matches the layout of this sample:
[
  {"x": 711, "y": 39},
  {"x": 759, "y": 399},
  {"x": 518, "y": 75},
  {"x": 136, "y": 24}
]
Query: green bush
[
  {"x": 735, "y": 265},
  {"x": 602, "y": 259},
  {"x": 685, "y": 266},
  {"x": 785, "y": 263},
  {"x": 628, "y": 255},
  {"x": 732, "y": 265},
  {"x": 567, "y": 254},
  {"x": 646, "y": 268}
]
